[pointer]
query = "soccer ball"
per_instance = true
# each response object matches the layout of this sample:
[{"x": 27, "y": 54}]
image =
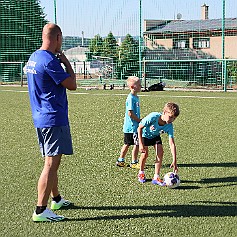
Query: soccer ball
[{"x": 171, "y": 180}]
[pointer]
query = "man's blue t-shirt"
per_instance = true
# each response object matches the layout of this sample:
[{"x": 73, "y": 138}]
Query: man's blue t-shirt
[
  {"x": 152, "y": 129},
  {"x": 132, "y": 103},
  {"x": 48, "y": 97}
]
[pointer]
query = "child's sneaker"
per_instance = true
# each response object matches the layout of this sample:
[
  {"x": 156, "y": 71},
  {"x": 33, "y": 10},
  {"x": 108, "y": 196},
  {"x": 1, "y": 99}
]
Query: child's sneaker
[
  {"x": 47, "y": 215},
  {"x": 141, "y": 178},
  {"x": 58, "y": 205},
  {"x": 135, "y": 165},
  {"x": 158, "y": 181},
  {"x": 121, "y": 163}
]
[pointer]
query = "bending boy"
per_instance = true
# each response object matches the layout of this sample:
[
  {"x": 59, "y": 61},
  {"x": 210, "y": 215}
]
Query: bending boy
[{"x": 149, "y": 131}]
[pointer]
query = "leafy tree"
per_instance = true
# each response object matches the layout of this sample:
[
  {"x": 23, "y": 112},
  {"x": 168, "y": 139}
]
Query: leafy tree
[
  {"x": 95, "y": 47},
  {"x": 232, "y": 72},
  {"x": 121, "y": 60},
  {"x": 128, "y": 57},
  {"x": 110, "y": 47},
  {"x": 21, "y": 24},
  {"x": 106, "y": 50}
]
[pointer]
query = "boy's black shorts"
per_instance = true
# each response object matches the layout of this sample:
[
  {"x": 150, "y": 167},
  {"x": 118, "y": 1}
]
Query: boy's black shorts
[
  {"x": 131, "y": 139},
  {"x": 152, "y": 142}
]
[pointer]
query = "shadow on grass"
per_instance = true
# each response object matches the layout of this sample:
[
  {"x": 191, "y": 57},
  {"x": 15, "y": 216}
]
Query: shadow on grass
[
  {"x": 228, "y": 164},
  {"x": 221, "y": 210},
  {"x": 229, "y": 181},
  {"x": 185, "y": 187}
]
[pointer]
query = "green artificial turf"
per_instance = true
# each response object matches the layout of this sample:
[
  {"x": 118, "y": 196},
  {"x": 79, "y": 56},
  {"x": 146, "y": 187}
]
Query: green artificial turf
[{"x": 109, "y": 201}]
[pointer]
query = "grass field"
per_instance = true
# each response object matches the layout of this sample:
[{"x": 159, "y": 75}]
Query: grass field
[{"x": 109, "y": 201}]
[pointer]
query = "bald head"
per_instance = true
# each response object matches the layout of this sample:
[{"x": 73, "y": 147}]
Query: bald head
[
  {"x": 52, "y": 37},
  {"x": 51, "y": 30}
]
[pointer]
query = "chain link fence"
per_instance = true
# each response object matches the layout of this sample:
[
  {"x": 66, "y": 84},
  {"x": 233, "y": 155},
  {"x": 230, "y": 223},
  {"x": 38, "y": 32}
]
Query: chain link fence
[{"x": 175, "y": 42}]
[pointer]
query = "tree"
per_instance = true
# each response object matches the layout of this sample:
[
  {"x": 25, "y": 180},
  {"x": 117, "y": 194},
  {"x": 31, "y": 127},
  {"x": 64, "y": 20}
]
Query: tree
[
  {"x": 95, "y": 47},
  {"x": 110, "y": 47},
  {"x": 128, "y": 57},
  {"x": 122, "y": 60},
  {"x": 21, "y": 24},
  {"x": 106, "y": 51}
]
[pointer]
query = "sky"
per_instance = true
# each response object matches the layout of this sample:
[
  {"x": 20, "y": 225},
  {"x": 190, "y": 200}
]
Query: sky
[{"x": 92, "y": 17}]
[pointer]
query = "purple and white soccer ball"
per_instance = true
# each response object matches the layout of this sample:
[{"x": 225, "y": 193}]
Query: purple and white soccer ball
[{"x": 172, "y": 180}]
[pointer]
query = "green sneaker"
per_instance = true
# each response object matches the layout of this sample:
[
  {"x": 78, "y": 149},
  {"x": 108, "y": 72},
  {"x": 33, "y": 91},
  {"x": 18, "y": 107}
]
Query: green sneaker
[
  {"x": 58, "y": 205},
  {"x": 47, "y": 215}
]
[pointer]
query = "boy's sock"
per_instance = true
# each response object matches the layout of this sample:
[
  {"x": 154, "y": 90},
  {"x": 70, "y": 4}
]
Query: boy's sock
[
  {"x": 156, "y": 176},
  {"x": 40, "y": 209},
  {"x": 120, "y": 159},
  {"x": 141, "y": 172},
  {"x": 134, "y": 162},
  {"x": 57, "y": 198}
]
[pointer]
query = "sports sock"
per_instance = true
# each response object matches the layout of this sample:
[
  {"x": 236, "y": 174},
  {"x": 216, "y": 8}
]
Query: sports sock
[
  {"x": 121, "y": 159},
  {"x": 141, "y": 172},
  {"x": 156, "y": 176},
  {"x": 40, "y": 209},
  {"x": 135, "y": 162},
  {"x": 57, "y": 198}
]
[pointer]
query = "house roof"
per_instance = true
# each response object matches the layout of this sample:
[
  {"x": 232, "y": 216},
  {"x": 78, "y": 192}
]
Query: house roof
[{"x": 194, "y": 25}]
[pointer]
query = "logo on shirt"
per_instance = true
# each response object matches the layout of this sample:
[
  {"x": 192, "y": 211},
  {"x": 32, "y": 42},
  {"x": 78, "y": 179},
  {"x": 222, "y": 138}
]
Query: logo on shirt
[{"x": 29, "y": 67}]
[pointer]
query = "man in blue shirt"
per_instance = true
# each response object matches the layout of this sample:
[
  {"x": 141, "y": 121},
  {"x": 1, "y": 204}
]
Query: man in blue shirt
[
  {"x": 47, "y": 84},
  {"x": 149, "y": 131}
]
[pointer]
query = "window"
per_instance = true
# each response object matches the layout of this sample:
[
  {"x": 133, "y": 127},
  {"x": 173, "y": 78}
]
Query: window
[
  {"x": 180, "y": 43},
  {"x": 201, "y": 43}
]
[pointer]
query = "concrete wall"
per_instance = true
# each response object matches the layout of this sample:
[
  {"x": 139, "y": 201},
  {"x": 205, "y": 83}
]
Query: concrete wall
[{"x": 216, "y": 47}]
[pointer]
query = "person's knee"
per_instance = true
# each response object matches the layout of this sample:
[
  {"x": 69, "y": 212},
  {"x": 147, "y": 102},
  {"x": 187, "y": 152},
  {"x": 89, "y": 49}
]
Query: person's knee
[
  {"x": 160, "y": 151},
  {"x": 144, "y": 156},
  {"x": 52, "y": 163}
]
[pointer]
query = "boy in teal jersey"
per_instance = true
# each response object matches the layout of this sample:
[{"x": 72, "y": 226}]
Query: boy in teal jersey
[
  {"x": 131, "y": 122},
  {"x": 149, "y": 131}
]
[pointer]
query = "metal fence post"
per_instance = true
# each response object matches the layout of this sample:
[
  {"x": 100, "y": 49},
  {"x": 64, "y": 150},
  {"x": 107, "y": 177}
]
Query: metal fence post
[{"x": 224, "y": 80}]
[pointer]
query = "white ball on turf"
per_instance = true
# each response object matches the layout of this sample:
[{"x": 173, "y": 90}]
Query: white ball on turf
[{"x": 172, "y": 180}]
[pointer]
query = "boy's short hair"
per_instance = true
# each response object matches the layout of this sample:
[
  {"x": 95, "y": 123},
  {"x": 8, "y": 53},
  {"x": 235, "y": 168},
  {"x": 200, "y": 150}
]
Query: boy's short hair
[
  {"x": 132, "y": 80},
  {"x": 172, "y": 108}
]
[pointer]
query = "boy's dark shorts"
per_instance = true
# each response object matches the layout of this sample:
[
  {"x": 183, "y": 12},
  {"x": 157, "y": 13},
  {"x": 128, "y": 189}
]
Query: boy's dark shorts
[
  {"x": 152, "y": 142},
  {"x": 131, "y": 139}
]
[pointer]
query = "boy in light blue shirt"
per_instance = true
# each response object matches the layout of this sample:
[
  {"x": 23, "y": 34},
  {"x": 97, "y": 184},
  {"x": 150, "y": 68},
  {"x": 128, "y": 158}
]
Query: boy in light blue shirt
[
  {"x": 131, "y": 122},
  {"x": 149, "y": 131}
]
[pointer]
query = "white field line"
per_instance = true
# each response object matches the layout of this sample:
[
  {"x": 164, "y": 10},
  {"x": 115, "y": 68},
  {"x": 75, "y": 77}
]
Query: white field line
[
  {"x": 175, "y": 96},
  {"x": 14, "y": 91},
  {"x": 125, "y": 94}
]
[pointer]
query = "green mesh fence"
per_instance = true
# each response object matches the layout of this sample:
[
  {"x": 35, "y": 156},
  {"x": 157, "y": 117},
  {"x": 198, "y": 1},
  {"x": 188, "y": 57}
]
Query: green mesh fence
[
  {"x": 177, "y": 42},
  {"x": 21, "y": 24}
]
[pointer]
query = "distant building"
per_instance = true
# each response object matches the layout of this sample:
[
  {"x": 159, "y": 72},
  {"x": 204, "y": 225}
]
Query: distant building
[
  {"x": 201, "y": 37},
  {"x": 77, "y": 54}
]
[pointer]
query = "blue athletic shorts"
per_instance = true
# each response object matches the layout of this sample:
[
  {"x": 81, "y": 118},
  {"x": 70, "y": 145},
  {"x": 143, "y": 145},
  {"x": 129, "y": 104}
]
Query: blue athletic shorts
[{"x": 55, "y": 141}]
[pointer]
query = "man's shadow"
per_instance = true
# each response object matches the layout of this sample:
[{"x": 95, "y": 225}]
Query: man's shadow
[{"x": 204, "y": 209}]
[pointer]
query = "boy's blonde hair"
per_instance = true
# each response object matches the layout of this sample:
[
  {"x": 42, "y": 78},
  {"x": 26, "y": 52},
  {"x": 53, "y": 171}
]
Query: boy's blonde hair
[
  {"x": 132, "y": 80},
  {"x": 172, "y": 108}
]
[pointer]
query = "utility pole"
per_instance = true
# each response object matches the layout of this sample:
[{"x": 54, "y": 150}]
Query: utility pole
[
  {"x": 140, "y": 40},
  {"x": 224, "y": 69},
  {"x": 55, "y": 12}
]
